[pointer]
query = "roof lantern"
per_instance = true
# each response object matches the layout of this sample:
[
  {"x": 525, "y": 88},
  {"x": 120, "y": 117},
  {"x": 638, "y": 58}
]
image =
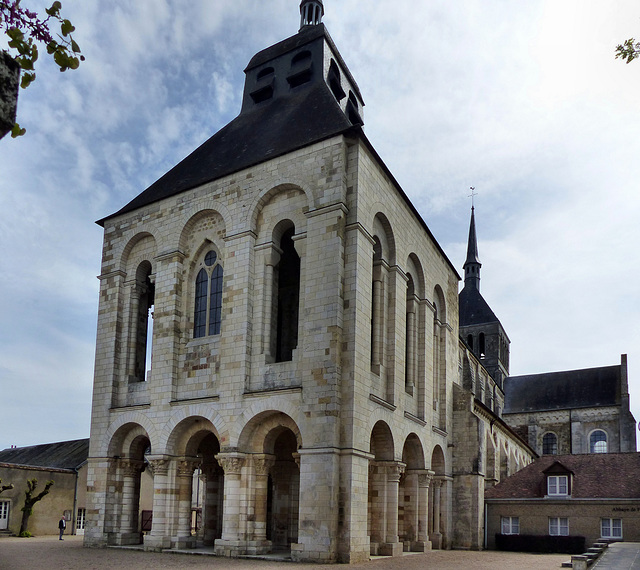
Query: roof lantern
[{"x": 311, "y": 12}]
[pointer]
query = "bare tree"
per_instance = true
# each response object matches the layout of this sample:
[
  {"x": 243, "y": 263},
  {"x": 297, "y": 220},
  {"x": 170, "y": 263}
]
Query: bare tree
[
  {"x": 4, "y": 488},
  {"x": 30, "y": 501}
]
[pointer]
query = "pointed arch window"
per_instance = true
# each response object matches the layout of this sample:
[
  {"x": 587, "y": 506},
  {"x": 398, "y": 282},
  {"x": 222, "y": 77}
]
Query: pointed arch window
[{"x": 207, "y": 319}]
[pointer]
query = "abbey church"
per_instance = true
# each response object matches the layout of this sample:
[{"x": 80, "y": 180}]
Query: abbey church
[{"x": 280, "y": 332}]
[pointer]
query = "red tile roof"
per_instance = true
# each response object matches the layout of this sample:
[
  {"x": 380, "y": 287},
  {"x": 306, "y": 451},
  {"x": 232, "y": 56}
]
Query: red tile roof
[{"x": 600, "y": 475}]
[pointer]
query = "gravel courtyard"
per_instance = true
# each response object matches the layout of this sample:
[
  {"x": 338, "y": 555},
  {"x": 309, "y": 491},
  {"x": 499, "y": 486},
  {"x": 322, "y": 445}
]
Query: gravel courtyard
[{"x": 49, "y": 553}]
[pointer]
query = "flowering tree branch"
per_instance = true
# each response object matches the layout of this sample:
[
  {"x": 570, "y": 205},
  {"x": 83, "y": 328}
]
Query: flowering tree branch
[{"x": 25, "y": 30}]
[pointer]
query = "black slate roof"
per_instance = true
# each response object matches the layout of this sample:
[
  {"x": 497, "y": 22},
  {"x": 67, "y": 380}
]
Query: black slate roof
[
  {"x": 563, "y": 390},
  {"x": 61, "y": 455},
  {"x": 474, "y": 310}
]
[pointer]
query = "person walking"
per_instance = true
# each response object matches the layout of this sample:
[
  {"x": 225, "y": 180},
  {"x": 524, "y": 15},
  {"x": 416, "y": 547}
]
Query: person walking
[{"x": 62, "y": 525}]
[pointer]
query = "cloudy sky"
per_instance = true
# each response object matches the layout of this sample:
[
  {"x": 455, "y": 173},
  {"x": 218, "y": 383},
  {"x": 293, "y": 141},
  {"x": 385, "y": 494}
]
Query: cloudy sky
[{"x": 523, "y": 100}]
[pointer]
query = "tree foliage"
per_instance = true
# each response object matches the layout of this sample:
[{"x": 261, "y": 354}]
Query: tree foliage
[
  {"x": 628, "y": 51},
  {"x": 25, "y": 30},
  {"x": 30, "y": 500}
]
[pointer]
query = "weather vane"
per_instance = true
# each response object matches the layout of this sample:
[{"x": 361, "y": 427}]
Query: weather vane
[{"x": 472, "y": 195}]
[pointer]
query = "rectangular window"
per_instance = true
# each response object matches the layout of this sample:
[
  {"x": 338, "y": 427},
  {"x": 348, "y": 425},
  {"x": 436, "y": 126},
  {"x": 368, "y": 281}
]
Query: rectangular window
[
  {"x": 557, "y": 485},
  {"x": 80, "y": 519},
  {"x": 510, "y": 525},
  {"x": 611, "y": 528},
  {"x": 558, "y": 526}
]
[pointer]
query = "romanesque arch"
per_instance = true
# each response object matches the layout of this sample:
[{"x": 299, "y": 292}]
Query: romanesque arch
[
  {"x": 413, "y": 496},
  {"x": 437, "y": 502},
  {"x": 128, "y": 448}
]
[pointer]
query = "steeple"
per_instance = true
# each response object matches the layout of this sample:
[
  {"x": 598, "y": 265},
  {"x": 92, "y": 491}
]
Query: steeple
[
  {"x": 311, "y": 12},
  {"x": 472, "y": 265}
]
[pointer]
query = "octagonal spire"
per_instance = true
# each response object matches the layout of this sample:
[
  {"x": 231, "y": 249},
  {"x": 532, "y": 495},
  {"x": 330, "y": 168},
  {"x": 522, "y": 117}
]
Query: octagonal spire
[{"x": 311, "y": 12}]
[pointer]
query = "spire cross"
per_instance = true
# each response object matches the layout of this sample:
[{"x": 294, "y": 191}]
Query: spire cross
[{"x": 473, "y": 194}]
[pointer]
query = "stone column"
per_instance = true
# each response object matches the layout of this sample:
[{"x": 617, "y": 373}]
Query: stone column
[
  {"x": 410, "y": 365},
  {"x": 377, "y": 333},
  {"x": 129, "y": 532},
  {"x": 436, "y": 535},
  {"x": 184, "y": 480},
  {"x": 233, "y": 541},
  {"x": 158, "y": 539},
  {"x": 392, "y": 545},
  {"x": 258, "y": 543},
  {"x": 424, "y": 479}
]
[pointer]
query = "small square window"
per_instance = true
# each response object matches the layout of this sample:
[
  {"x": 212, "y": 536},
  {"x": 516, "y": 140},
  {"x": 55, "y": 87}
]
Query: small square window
[
  {"x": 558, "y": 526},
  {"x": 611, "y": 528},
  {"x": 557, "y": 485},
  {"x": 510, "y": 525}
]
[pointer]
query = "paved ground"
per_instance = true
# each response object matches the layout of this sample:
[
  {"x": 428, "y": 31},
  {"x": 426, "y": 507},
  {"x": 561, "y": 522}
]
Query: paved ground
[
  {"x": 48, "y": 553},
  {"x": 620, "y": 556}
]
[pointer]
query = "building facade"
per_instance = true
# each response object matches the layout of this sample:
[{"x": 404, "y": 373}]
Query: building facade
[
  {"x": 275, "y": 314},
  {"x": 576, "y": 411},
  {"x": 64, "y": 463},
  {"x": 594, "y": 496}
]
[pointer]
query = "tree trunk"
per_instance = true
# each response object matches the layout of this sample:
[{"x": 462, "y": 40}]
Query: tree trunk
[
  {"x": 9, "y": 82},
  {"x": 25, "y": 521}
]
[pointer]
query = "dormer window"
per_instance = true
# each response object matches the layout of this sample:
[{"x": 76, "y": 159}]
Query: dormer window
[{"x": 557, "y": 485}]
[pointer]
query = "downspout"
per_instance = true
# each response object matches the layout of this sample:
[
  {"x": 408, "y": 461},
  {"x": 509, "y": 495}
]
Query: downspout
[
  {"x": 75, "y": 504},
  {"x": 486, "y": 533}
]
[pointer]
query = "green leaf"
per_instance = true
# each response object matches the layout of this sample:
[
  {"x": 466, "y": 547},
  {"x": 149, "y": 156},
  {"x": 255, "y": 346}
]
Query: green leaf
[
  {"x": 16, "y": 131},
  {"x": 66, "y": 28},
  {"x": 27, "y": 79},
  {"x": 75, "y": 47},
  {"x": 54, "y": 10},
  {"x": 52, "y": 46}
]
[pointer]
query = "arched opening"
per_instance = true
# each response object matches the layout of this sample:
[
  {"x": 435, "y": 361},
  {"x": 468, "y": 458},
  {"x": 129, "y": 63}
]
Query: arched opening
[
  {"x": 130, "y": 487},
  {"x": 413, "y": 497},
  {"x": 549, "y": 444},
  {"x": 288, "y": 298},
  {"x": 382, "y": 498},
  {"x": 208, "y": 499},
  {"x": 437, "y": 502},
  {"x": 598, "y": 442},
  {"x": 143, "y": 306},
  {"x": 283, "y": 492}
]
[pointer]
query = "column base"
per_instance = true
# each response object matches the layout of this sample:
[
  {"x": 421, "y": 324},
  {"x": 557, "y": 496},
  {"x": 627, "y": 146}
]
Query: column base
[
  {"x": 230, "y": 548},
  {"x": 183, "y": 542},
  {"x": 127, "y": 539},
  {"x": 156, "y": 543},
  {"x": 390, "y": 549},
  {"x": 436, "y": 540},
  {"x": 300, "y": 553},
  {"x": 258, "y": 547},
  {"x": 421, "y": 546}
]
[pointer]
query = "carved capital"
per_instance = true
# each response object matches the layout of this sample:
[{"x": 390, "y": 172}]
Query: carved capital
[
  {"x": 424, "y": 478},
  {"x": 395, "y": 471},
  {"x": 130, "y": 467},
  {"x": 231, "y": 463},
  {"x": 159, "y": 466},
  {"x": 263, "y": 464},
  {"x": 186, "y": 466}
]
